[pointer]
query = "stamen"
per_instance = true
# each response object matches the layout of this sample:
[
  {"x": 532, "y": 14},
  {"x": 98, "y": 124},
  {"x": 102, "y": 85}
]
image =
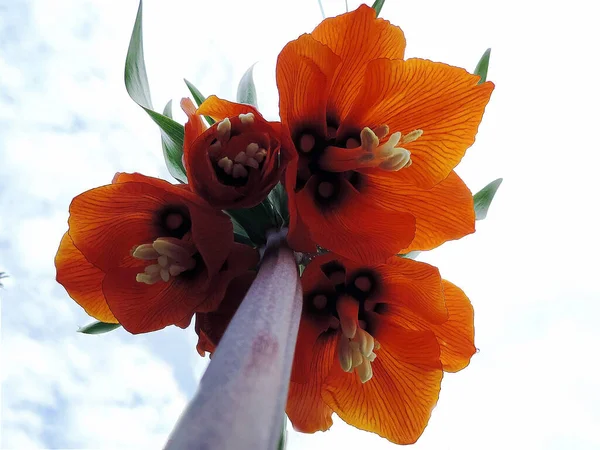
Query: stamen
[
  {"x": 241, "y": 158},
  {"x": 357, "y": 357},
  {"x": 325, "y": 189},
  {"x": 172, "y": 256},
  {"x": 368, "y": 139},
  {"x": 224, "y": 130},
  {"x": 239, "y": 171},
  {"x": 246, "y": 119},
  {"x": 381, "y": 131},
  {"x": 365, "y": 371},
  {"x": 400, "y": 160},
  {"x": 345, "y": 354},
  {"x": 252, "y": 149},
  {"x": 251, "y": 162},
  {"x": 412, "y": 136},
  {"x": 260, "y": 155},
  {"x": 145, "y": 251},
  {"x": 226, "y": 164},
  {"x": 320, "y": 301},
  {"x": 307, "y": 142}
]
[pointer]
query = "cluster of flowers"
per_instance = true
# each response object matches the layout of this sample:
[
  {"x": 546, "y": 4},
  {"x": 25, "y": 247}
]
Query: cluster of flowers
[{"x": 365, "y": 150}]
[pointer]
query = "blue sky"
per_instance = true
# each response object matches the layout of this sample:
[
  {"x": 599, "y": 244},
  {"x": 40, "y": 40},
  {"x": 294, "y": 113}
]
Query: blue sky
[{"x": 67, "y": 125}]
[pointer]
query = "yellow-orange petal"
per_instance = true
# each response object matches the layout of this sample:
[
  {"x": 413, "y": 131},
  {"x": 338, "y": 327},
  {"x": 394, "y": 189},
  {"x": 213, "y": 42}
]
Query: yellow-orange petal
[
  {"x": 444, "y": 212},
  {"x": 356, "y": 37},
  {"x": 305, "y": 408},
  {"x": 220, "y": 109},
  {"x": 455, "y": 336},
  {"x": 82, "y": 280},
  {"x": 397, "y": 401},
  {"x": 304, "y": 72},
  {"x": 444, "y": 101},
  {"x": 413, "y": 284},
  {"x": 355, "y": 227}
]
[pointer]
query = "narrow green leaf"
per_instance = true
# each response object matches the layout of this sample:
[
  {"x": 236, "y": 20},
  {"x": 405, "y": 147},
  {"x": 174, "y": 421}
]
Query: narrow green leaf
[
  {"x": 246, "y": 92},
  {"x": 483, "y": 199},
  {"x": 482, "y": 66},
  {"x": 377, "y": 6},
  {"x": 136, "y": 83},
  {"x": 171, "y": 147},
  {"x": 98, "y": 328},
  {"x": 199, "y": 98}
]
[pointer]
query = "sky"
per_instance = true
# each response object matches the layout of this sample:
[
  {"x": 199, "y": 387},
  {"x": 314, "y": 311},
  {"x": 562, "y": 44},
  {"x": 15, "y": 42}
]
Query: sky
[{"x": 531, "y": 269}]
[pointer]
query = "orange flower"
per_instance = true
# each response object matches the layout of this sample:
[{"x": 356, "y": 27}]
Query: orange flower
[
  {"x": 377, "y": 139},
  {"x": 373, "y": 344},
  {"x": 211, "y": 326},
  {"x": 147, "y": 254},
  {"x": 237, "y": 161}
]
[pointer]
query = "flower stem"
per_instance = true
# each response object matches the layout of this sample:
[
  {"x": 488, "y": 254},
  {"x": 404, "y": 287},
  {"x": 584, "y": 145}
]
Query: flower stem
[{"x": 241, "y": 399}]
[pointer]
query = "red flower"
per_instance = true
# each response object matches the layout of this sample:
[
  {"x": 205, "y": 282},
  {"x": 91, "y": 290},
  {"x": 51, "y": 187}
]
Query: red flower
[
  {"x": 237, "y": 161},
  {"x": 373, "y": 344},
  {"x": 377, "y": 139},
  {"x": 147, "y": 254}
]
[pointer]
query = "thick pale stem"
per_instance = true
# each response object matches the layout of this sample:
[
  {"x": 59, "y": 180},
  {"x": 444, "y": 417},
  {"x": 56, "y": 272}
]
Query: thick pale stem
[{"x": 241, "y": 399}]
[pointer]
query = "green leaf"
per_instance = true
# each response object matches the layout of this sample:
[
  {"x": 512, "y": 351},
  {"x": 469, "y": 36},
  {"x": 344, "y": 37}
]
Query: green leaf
[
  {"x": 98, "y": 328},
  {"x": 377, "y": 6},
  {"x": 482, "y": 66},
  {"x": 410, "y": 255},
  {"x": 279, "y": 200},
  {"x": 171, "y": 149},
  {"x": 283, "y": 438},
  {"x": 484, "y": 197},
  {"x": 246, "y": 92},
  {"x": 199, "y": 98},
  {"x": 255, "y": 221},
  {"x": 136, "y": 83}
]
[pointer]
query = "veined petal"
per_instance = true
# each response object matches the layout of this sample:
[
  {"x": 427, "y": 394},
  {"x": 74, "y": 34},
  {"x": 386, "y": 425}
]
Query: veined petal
[
  {"x": 82, "y": 280},
  {"x": 443, "y": 213},
  {"x": 397, "y": 402},
  {"x": 304, "y": 69},
  {"x": 445, "y": 102},
  {"x": 356, "y": 37},
  {"x": 298, "y": 236},
  {"x": 355, "y": 227},
  {"x": 305, "y": 407},
  {"x": 455, "y": 336},
  {"x": 142, "y": 308},
  {"x": 414, "y": 284},
  {"x": 220, "y": 109}
]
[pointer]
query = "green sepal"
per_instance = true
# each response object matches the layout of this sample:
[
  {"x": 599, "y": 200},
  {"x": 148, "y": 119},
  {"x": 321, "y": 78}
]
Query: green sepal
[
  {"x": 136, "y": 83},
  {"x": 377, "y": 6},
  {"x": 279, "y": 201},
  {"x": 246, "y": 92},
  {"x": 483, "y": 199},
  {"x": 482, "y": 66},
  {"x": 98, "y": 328},
  {"x": 255, "y": 221},
  {"x": 199, "y": 98}
]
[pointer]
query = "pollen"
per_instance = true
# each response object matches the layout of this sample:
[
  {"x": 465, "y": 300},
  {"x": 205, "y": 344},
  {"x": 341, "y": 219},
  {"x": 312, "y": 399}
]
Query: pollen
[
  {"x": 224, "y": 130},
  {"x": 246, "y": 119},
  {"x": 173, "y": 257}
]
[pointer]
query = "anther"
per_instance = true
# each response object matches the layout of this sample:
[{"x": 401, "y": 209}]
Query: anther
[
  {"x": 239, "y": 171},
  {"x": 226, "y": 164},
  {"x": 412, "y": 136},
  {"x": 145, "y": 251},
  {"x": 260, "y": 155},
  {"x": 246, "y": 119},
  {"x": 224, "y": 130},
  {"x": 344, "y": 354},
  {"x": 251, "y": 149},
  {"x": 398, "y": 161},
  {"x": 369, "y": 139},
  {"x": 381, "y": 131},
  {"x": 241, "y": 158},
  {"x": 320, "y": 301},
  {"x": 365, "y": 371},
  {"x": 251, "y": 162},
  {"x": 325, "y": 189},
  {"x": 307, "y": 142}
]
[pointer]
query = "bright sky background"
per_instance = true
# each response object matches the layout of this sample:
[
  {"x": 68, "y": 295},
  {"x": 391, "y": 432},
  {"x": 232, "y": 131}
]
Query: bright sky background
[{"x": 531, "y": 270}]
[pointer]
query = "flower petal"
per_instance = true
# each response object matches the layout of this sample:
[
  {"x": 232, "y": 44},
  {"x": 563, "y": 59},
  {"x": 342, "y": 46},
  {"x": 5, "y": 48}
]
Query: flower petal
[
  {"x": 413, "y": 284},
  {"x": 305, "y": 408},
  {"x": 455, "y": 336},
  {"x": 220, "y": 109},
  {"x": 142, "y": 308},
  {"x": 355, "y": 227},
  {"x": 298, "y": 237},
  {"x": 443, "y": 213},
  {"x": 397, "y": 402},
  {"x": 82, "y": 280},
  {"x": 305, "y": 69},
  {"x": 446, "y": 102},
  {"x": 357, "y": 38}
]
